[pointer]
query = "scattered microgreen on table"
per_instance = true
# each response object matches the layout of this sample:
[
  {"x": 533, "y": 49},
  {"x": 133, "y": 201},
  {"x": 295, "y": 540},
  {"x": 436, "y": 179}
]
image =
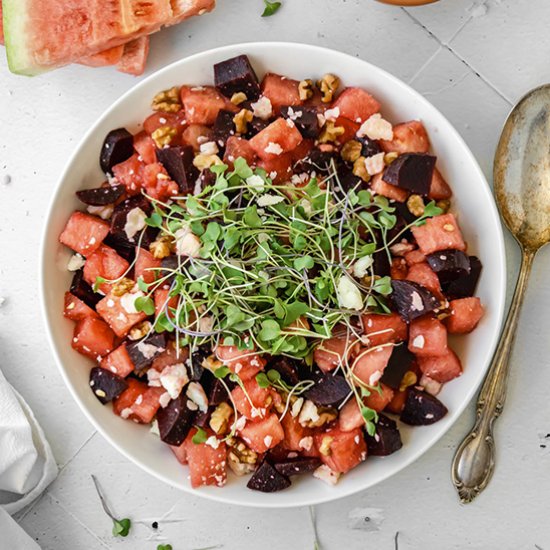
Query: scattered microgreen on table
[
  {"x": 121, "y": 527},
  {"x": 270, "y": 8}
]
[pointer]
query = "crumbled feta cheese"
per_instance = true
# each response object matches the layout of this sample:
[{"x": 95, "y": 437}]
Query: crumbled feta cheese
[
  {"x": 213, "y": 442},
  {"x": 294, "y": 115},
  {"x": 76, "y": 262},
  {"x": 375, "y": 127},
  {"x": 92, "y": 241},
  {"x": 273, "y": 148},
  {"x": 125, "y": 413},
  {"x": 206, "y": 324},
  {"x": 375, "y": 164},
  {"x": 173, "y": 378},
  {"x": 361, "y": 266},
  {"x": 268, "y": 440},
  {"x": 148, "y": 350},
  {"x": 416, "y": 301},
  {"x": 374, "y": 377},
  {"x": 197, "y": 89},
  {"x": 104, "y": 212},
  {"x": 135, "y": 221},
  {"x": 297, "y": 407},
  {"x": 195, "y": 392},
  {"x": 349, "y": 295},
  {"x": 306, "y": 205},
  {"x": 187, "y": 243},
  {"x": 269, "y": 200},
  {"x": 128, "y": 301},
  {"x": 321, "y": 119},
  {"x": 290, "y": 123},
  {"x": 153, "y": 378},
  {"x": 164, "y": 399},
  {"x": 430, "y": 385},
  {"x": 332, "y": 114},
  {"x": 419, "y": 342},
  {"x": 306, "y": 443},
  {"x": 255, "y": 182},
  {"x": 139, "y": 400},
  {"x": 110, "y": 302},
  {"x": 273, "y": 175},
  {"x": 191, "y": 405},
  {"x": 308, "y": 413},
  {"x": 155, "y": 428},
  {"x": 241, "y": 423},
  {"x": 357, "y": 439},
  {"x": 209, "y": 148},
  {"x": 262, "y": 108},
  {"x": 324, "y": 473}
]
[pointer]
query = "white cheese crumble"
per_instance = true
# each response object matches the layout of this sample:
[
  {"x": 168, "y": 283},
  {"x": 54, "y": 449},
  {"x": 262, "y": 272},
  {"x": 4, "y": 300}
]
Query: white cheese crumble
[
  {"x": 195, "y": 392},
  {"x": 349, "y": 296},
  {"x": 187, "y": 243},
  {"x": 361, "y": 266},
  {"x": 213, "y": 442},
  {"x": 375, "y": 127},
  {"x": 268, "y": 440},
  {"x": 416, "y": 301},
  {"x": 148, "y": 350},
  {"x": 128, "y": 301},
  {"x": 241, "y": 423},
  {"x": 332, "y": 114},
  {"x": 419, "y": 342},
  {"x": 430, "y": 385},
  {"x": 209, "y": 148},
  {"x": 297, "y": 407},
  {"x": 262, "y": 108},
  {"x": 104, "y": 212},
  {"x": 173, "y": 378},
  {"x": 269, "y": 200},
  {"x": 255, "y": 182},
  {"x": 324, "y": 473},
  {"x": 308, "y": 413},
  {"x": 294, "y": 115},
  {"x": 273, "y": 148},
  {"x": 153, "y": 378},
  {"x": 306, "y": 443},
  {"x": 375, "y": 164},
  {"x": 164, "y": 399},
  {"x": 135, "y": 221},
  {"x": 76, "y": 262},
  {"x": 374, "y": 377},
  {"x": 125, "y": 413},
  {"x": 155, "y": 428}
]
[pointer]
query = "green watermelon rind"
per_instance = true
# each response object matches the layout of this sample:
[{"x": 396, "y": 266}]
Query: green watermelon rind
[{"x": 15, "y": 18}]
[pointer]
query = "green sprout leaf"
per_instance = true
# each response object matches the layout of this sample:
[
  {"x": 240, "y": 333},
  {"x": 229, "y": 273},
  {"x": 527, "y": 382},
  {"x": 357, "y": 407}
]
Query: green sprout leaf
[
  {"x": 164, "y": 547},
  {"x": 270, "y": 8},
  {"x": 121, "y": 528},
  {"x": 98, "y": 282},
  {"x": 303, "y": 262},
  {"x": 222, "y": 372},
  {"x": 200, "y": 437},
  {"x": 270, "y": 330},
  {"x": 154, "y": 220},
  {"x": 263, "y": 380},
  {"x": 145, "y": 304},
  {"x": 383, "y": 286}
]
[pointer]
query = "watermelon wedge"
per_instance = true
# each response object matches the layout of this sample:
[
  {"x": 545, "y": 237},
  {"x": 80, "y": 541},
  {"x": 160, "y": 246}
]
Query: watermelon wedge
[
  {"x": 41, "y": 36},
  {"x": 105, "y": 58},
  {"x": 134, "y": 56}
]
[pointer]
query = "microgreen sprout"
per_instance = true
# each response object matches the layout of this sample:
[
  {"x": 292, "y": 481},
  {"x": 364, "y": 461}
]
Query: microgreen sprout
[
  {"x": 270, "y": 8},
  {"x": 121, "y": 527}
]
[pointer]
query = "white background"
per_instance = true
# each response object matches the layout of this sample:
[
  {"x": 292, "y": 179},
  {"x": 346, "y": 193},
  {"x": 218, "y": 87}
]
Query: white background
[{"x": 473, "y": 61}]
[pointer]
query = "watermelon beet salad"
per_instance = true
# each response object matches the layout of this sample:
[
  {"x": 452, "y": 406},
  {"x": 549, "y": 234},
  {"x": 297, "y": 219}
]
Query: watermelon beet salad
[{"x": 268, "y": 277}]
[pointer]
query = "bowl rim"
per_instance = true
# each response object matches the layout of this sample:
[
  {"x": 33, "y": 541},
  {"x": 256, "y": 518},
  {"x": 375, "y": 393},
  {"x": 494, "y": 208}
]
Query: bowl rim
[{"x": 219, "y": 496}]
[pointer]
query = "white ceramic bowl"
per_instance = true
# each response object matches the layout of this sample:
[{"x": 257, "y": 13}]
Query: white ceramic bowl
[{"x": 473, "y": 201}]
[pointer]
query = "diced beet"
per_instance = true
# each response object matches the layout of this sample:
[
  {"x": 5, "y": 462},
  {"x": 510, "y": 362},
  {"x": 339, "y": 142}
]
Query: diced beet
[
  {"x": 101, "y": 196},
  {"x": 449, "y": 264},
  {"x": 369, "y": 147},
  {"x": 106, "y": 385},
  {"x": 317, "y": 161},
  {"x": 347, "y": 180},
  {"x": 387, "y": 439},
  {"x": 329, "y": 390},
  {"x": 255, "y": 126},
  {"x": 412, "y": 300},
  {"x": 286, "y": 367},
  {"x": 143, "y": 352},
  {"x": 175, "y": 421},
  {"x": 117, "y": 147},
  {"x": 267, "y": 479},
  {"x": 411, "y": 171},
  {"x": 400, "y": 362},
  {"x": 404, "y": 214},
  {"x": 297, "y": 466},
  {"x": 305, "y": 119},
  {"x": 196, "y": 369},
  {"x": 218, "y": 393},
  {"x": 178, "y": 162},
  {"x": 202, "y": 420},
  {"x": 82, "y": 290},
  {"x": 122, "y": 246},
  {"x": 381, "y": 263},
  {"x": 118, "y": 237},
  {"x": 223, "y": 128},
  {"x": 421, "y": 408},
  {"x": 236, "y": 75},
  {"x": 464, "y": 287}
]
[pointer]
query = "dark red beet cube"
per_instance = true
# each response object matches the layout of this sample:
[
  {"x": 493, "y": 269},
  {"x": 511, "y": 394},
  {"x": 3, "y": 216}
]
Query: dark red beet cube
[
  {"x": 329, "y": 390},
  {"x": 106, "y": 385},
  {"x": 297, "y": 466},
  {"x": 369, "y": 147},
  {"x": 143, "y": 352},
  {"x": 421, "y": 408},
  {"x": 387, "y": 438},
  {"x": 224, "y": 127},
  {"x": 255, "y": 127},
  {"x": 412, "y": 171},
  {"x": 267, "y": 479},
  {"x": 236, "y": 75},
  {"x": 178, "y": 162},
  {"x": 175, "y": 421},
  {"x": 305, "y": 119},
  {"x": 286, "y": 367},
  {"x": 82, "y": 290},
  {"x": 101, "y": 196},
  {"x": 412, "y": 300},
  {"x": 117, "y": 147},
  {"x": 401, "y": 360},
  {"x": 449, "y": 264},
  {"x": 465, "y": 286},
  {"x": 316, "y": 161}
]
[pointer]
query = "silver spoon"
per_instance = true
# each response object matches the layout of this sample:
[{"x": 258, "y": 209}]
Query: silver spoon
[{"x": 522, "y": 190}]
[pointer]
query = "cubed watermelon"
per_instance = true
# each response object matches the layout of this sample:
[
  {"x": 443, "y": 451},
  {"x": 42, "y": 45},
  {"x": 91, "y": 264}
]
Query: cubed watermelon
[
  {"x": 465, "y": 315},
  {"x": 439, "y": 233},
  {"x": 379, "y": 400},
  {"x": 369, "y": 365},
  {"x": 203, "y": 103},
  {"x": 427, "y": 337},
  {"x": 441, "y": 368},
  {"x": 356, "y": 104},
  {"x": 145, "y": 147},
  {"x": 380, "y": 187},
  {"x": 262, "y": 435},
  {"x": 280, "y": 90},
  {"x": 296, "y": 435},
  {"x": 118, "y": 362},
  {"x": 439, "y": 188},
  {"x": 106, "y": 263},
  {"x": 162, "y": 299},
  {"x": 118, "y": 311},
  {"x": 145, "y": 265},
  {"x": 414, "y": 257},
  {"x": 158, "y": 184},
  {"x": 138, "y": 402},
  {"x": 195, "y": 135},
  {"x": 236, "y": 147},
  {"x": 281, "y": 136},
  {"x": 84, "y": 233},
  {"x": 253, "y": 401},
  {"x": 93, "y": 337},
  {"x": 159, "y": 119},
  {"x": 345, "y": 450},
  {"x": 207, "y": 463},
  {"x": 279, "y": 168},
  {"x": 408, "y": 137},
  {"x": 382, "y": 329},
  {"x": 350, "y": 129},
  {"x": 75, "y": 309},
  {"x": 423, "y": 274},
  {"x": 130, "y": 174},
  {"x": 245, "y": 363},
  {"x": 331, "y": 353}
]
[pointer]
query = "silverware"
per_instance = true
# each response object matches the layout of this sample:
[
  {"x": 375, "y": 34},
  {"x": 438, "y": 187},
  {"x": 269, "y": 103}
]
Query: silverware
[{"x": 522, "y": 190}]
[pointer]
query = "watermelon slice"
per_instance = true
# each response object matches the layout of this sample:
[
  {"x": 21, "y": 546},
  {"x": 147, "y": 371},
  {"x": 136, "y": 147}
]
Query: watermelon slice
[
  {"x": 134, "y": 56},
  {"x": 38, "y": 39},
  {"x": 105, "y": 58}
]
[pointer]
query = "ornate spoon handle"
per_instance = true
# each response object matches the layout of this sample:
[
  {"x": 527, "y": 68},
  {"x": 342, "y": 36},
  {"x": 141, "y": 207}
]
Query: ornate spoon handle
[{"x": 474, "y": 460}]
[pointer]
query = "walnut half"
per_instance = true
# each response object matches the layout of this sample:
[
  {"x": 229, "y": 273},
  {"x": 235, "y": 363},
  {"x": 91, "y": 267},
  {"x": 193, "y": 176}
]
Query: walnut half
[{"x": 167, "y": 101}]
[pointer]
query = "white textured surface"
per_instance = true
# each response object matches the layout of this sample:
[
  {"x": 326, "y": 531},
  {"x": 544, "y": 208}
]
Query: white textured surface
[{"x": 471, "y": 59}]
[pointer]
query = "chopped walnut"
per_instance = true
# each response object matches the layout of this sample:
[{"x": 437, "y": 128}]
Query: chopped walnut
[
  {"x": 351, "y": 151},
  {"x": 409, "y": 379},
  {"x": 123, "y": 286},
  {"x": 241, "y": 120},
  {"x": 162, "y": 247},
  {"x": 219, "y": 420},
  {"x": 324, "y": 448},
  {"x": 163, "y": 136},
  {"x": 241, "y": 459},
  {"x": 202, "y": 162},
  {"x": 328, "y": 86},
  {"x": 211, "y": 363},
  {"x": 360, "y": 169},
  {"x": 330, "y": 132},
  {"x": 238, "y": 98},
  {"x": 444, "y": 205},
  {"x": 390, "y": 157},
  {"x": 305, "y": 89},
  {"x": 167, "y": 101},
  {"x": 416, "y": 206},
  {"x": 324, "y": 416},
  {"x": 139, "y": 331}
]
